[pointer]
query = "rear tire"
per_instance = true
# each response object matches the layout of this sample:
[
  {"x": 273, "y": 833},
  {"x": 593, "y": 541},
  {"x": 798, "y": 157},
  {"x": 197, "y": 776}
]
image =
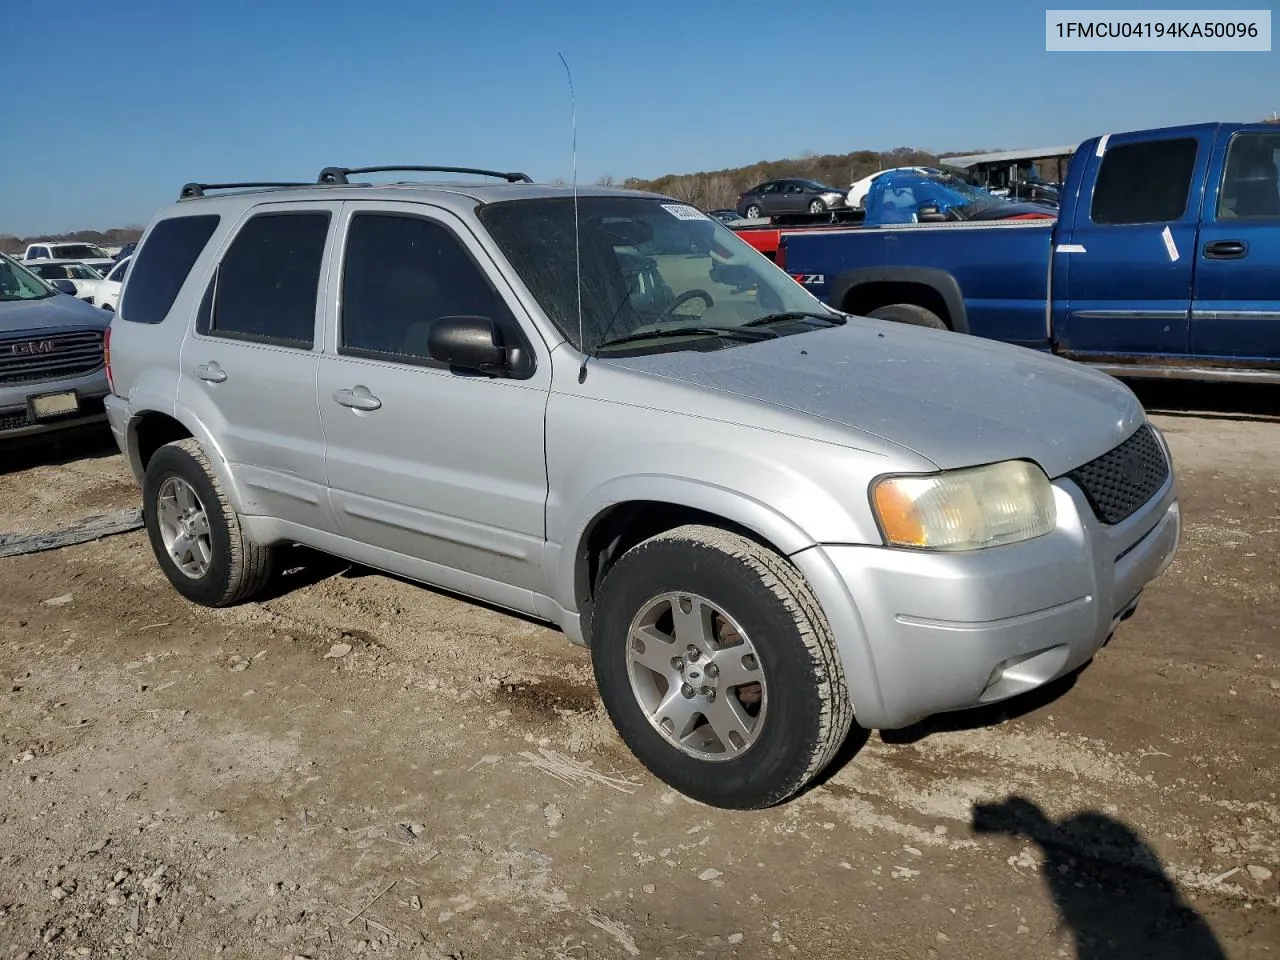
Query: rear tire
[
  {"x": 748, "y": 611},
  {"x": 752, "y": 212},
  {"x": 910, "y": 313},
  {"x": 194, "y": 532}
]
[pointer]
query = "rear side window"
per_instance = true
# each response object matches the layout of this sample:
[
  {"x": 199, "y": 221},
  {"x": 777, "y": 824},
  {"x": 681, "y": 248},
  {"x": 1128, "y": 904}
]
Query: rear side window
[
  {"x": 1145, "y": 182},
  {"x": 269, "y": 280},
  {"x": 168, "y": 256}
]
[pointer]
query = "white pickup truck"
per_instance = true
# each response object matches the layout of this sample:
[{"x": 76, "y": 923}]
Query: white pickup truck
[{"x": 87, "y": 253}]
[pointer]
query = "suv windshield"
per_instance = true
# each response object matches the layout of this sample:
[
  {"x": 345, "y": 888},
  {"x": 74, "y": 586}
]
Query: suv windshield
[
  {"x": 79, "y": 251},
  {"x": 19, "y": 283},
  {"x": 649, "y": 267}
]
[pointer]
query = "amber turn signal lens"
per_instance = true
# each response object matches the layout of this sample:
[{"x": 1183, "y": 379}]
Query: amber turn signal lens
[{"x": 898, "y": 516}]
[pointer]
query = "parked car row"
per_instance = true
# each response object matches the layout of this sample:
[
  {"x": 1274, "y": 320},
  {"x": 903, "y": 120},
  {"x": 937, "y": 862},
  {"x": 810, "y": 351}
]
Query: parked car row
[
  {"x": 98, "y": 286},
  {"x": 798, "y": 195}
]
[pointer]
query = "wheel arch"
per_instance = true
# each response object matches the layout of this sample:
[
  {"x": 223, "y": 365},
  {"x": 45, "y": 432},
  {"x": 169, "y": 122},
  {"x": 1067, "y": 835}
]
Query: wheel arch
[
  {"x": 863, "y": 289},
  {"x": 625, "y": 511},
  {"x": 149, "y": 430}
]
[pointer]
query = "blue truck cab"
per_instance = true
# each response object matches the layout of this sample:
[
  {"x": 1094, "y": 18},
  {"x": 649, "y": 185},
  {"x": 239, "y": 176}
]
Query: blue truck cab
[{"x": 1164, "y": 260}]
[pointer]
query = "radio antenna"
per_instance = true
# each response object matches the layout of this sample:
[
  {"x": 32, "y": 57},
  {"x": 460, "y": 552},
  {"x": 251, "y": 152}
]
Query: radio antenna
[{"x": 577, "y": 243}]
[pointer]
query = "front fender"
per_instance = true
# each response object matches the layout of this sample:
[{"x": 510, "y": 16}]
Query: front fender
[{"x": 732, "y": 505}]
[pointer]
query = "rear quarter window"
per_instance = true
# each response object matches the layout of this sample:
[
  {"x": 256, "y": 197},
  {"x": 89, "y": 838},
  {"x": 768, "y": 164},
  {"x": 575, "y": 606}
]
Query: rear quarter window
[{"x": 161, "y": 266}]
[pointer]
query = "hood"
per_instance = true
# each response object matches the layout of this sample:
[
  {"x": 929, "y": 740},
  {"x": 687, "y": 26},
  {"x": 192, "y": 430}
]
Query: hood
[
  {"x": 52, "y": 313},
  {"x": 954, "y": 399}
]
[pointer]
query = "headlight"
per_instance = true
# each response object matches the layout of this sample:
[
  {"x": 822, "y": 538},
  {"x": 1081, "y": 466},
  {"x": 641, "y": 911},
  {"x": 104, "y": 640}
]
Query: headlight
[{"x": 965, "y": 509}]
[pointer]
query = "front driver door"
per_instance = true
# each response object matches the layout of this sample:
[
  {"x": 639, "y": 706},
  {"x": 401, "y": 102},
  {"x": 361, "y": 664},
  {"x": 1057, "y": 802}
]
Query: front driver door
[{"x": 440, "y": 466}]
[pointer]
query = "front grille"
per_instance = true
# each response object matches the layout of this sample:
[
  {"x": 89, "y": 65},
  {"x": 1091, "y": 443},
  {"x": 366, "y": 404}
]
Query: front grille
[
  {"x": 56, "y": 356},
  {"x": 1123, "y": 479}
]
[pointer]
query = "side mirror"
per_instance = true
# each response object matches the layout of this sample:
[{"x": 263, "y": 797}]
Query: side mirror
[
  {"x": 469, "y": 343},
  {"x": 930, "y": 213},
  {"x": 63, "y": 286}
]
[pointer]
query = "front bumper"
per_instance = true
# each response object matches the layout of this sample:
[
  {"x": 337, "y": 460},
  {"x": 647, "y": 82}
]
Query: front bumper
[
  {"x": 16, "y": 420},
  {"x": 940, "y": 632}
]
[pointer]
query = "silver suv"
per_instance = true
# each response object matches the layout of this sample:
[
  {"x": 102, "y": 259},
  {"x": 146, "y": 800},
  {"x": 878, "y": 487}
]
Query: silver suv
[
  {"x": 766, "y": 520},
  {"x": 52, "y": 375}
]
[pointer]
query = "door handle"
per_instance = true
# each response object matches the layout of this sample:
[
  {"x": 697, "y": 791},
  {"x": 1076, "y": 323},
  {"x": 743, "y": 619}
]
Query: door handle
[
  {"x": 357, "y": 398},
  {"x": 1226, "y": 250},
  {"x": 211, "y": 372}
]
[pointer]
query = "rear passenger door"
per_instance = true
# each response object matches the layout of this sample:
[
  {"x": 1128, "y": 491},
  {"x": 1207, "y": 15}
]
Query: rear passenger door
[
  {"x": 440, "y": 466},
  {"x": 1132, "y": 248},
  {"x": 249, "y": 365},
  {"x": 1236, "y": 313}
]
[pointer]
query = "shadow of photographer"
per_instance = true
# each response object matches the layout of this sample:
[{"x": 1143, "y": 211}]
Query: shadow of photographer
[{"x": 1108, "y": 885}]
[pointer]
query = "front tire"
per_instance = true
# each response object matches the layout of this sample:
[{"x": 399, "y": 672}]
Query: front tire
[
  {"x": 817, "y": 206},
  {"x": 194, "y": 532},
  {"x": 909, "y": 313},
  {"x": 718, "y": 668}
]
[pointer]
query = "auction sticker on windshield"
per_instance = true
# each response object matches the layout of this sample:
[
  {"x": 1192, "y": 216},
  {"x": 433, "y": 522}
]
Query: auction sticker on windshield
[{"x": 682, "y": 211}]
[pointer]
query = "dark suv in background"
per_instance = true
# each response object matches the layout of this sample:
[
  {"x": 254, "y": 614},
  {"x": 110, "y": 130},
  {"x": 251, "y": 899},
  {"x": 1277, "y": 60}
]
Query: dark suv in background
[{"x": 795, "y": 195}]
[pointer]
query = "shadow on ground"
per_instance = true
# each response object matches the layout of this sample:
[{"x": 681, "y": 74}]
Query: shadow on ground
[
  {"x": 988, "y": 716},
  {"x": 1209, "y": 401},
  {"x": 57, "y": 449},
  {"x": 1108, "y": 885}
]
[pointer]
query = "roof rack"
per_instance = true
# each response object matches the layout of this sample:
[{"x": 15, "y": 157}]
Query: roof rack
[
  {"x": 340, "y": 174},
  {"x": 192, "y": 190}
]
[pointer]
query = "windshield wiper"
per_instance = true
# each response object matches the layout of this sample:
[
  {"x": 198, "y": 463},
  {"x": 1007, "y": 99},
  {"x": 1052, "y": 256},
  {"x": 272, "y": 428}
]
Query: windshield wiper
[
  {"x": 728, "y": 333},
  {"x": 772, "y": 318}
]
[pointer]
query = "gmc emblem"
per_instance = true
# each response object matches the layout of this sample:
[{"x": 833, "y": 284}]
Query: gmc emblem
[
  {"x": 32, "y": 347},
  {"x": 808, "y": 278}
]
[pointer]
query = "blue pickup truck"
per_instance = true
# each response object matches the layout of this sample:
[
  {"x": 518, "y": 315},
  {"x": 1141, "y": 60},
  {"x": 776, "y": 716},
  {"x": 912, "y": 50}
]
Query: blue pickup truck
[{"x": 1163, "y": 261}]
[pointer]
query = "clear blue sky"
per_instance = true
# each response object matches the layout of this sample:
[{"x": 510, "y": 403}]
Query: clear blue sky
[{"x": 111, "y": 108}]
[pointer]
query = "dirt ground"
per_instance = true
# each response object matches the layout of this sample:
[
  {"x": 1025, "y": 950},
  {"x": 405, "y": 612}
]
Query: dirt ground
[{"x": 360, "y": 765}]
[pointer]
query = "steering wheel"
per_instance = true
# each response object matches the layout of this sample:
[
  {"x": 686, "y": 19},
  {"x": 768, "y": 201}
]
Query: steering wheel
[{"x": 685, "y": 297}]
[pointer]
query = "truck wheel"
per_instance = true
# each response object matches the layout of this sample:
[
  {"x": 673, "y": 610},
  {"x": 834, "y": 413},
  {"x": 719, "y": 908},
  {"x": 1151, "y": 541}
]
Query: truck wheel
[
  {"x": 752, "y": 212},
  {"x": 718, "y": 668},
  {"x": 195, "y": 534},
  {"x": 909, "y": 313}
]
